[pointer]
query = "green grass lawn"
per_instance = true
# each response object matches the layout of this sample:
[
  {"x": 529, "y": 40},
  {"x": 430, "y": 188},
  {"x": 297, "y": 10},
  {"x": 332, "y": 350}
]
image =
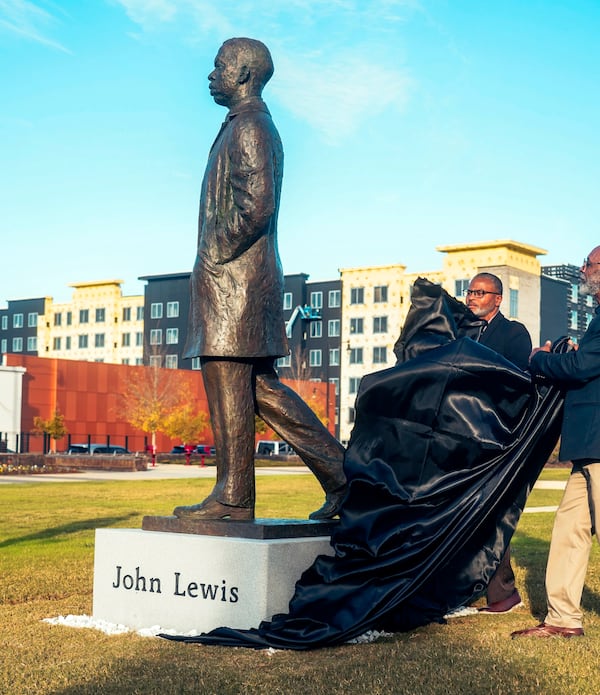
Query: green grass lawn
[{"x": 46, "y": 570}]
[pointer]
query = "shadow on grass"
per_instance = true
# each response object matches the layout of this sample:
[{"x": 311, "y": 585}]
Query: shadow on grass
[
  {"x": 67, "y": 529},
  {"x": 532, "y": 557}
]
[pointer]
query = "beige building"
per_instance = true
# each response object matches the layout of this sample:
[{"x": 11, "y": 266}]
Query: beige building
[
  {"x": 98, "y": 325},
  {"x": 375, "y": 301}
]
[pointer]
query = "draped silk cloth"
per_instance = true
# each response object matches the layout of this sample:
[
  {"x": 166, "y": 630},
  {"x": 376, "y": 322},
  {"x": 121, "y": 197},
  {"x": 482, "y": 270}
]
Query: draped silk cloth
[{"x": 445, "y": 449}]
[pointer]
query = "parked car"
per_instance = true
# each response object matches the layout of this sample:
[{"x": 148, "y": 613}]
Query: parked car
[
  {"x": 268, "y": 447},
  {"x": 197, "y": 449},
  {"x": 97, "y": 449},
  {"x": 205, "y": 449}
]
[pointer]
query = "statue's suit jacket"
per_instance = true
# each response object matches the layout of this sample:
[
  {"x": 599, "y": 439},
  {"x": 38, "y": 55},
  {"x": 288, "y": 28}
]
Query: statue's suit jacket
[
  {"x": 509, "y": 338},
  {"x": 237, "y": 280},
  {"x": 578, "y": 372}
]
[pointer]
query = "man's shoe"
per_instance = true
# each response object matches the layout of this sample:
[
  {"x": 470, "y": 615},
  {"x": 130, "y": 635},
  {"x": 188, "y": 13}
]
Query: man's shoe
[
  {"x": 504, "y": 606},
  {"x": 332, "y": 506},
  {"x": 213, "y": 509},
  {"x": 543, "y": 630}
]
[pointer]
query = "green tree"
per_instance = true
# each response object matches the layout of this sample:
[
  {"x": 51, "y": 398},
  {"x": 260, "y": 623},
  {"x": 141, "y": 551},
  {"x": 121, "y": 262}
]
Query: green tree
[
  {"x": 55, "y": 427},
  {"x": 186, "y": 424}
]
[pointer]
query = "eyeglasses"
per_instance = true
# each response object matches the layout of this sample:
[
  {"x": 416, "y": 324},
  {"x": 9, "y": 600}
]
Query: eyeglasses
[
  {"x": 479, "y": 293},
  {"x": 587, "y": 262}
]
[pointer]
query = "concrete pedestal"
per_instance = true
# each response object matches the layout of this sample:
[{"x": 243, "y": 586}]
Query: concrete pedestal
[{"x": 188, "y": 582}]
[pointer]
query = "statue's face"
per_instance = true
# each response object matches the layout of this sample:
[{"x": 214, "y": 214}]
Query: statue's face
[{"x": 224, "y": 82}]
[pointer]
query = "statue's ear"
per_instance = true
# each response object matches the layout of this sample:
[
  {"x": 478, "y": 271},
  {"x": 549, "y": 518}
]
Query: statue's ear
[{"x": 244, "y": 74}]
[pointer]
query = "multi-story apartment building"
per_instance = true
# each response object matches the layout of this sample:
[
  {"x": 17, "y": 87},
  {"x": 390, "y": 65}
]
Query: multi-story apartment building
[
  {"x": 166, "y": 309},
  {"x": 313, "y": 316},
  {"x": 99, "y": 324},
  {"x": 376, "y": 300},
  {"x": 19, "y": 324},
  {"x": 577, "y": 311}
]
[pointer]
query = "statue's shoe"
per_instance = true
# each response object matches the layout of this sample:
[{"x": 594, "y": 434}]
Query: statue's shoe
[
  {"x": 213, "y": 509},
  {"x": 332, "y": 505}
]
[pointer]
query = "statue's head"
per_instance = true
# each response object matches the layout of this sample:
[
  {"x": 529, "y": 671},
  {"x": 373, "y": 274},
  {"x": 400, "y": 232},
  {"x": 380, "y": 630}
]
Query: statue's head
[{"x": 242, "y": 68}]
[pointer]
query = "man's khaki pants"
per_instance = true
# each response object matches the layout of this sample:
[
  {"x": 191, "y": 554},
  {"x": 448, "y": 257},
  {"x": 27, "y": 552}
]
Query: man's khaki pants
[{"x": 577, "y": 518}]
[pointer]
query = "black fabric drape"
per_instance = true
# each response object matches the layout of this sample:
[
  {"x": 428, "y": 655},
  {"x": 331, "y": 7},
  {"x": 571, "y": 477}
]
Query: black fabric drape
[{"x": 445, "y": 449}]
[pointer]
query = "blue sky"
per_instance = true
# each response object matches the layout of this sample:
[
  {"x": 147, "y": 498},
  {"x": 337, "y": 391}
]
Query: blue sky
[{"x": 406, "y": 124}]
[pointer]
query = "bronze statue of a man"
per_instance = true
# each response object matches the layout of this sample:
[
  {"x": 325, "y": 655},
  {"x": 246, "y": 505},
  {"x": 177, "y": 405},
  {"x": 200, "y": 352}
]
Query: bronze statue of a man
[{"x": 236, "y": 323}]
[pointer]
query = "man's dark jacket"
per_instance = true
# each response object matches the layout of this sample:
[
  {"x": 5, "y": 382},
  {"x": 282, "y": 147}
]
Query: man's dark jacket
[
  {"x": 509, "y": 338},
  {"x": 578, "y": 372}
]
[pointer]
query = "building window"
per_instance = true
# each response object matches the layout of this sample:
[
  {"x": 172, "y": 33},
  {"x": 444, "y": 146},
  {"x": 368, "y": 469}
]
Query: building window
[
  {"x": 356, "y": 326},
  {"x": 57, "y": 319},
  {"x": 100, "y": 315},
  {"x": 156, "y": 310},
  {"x": 356, "y": 355},
  {"x": 513, "y": 303},
  {"x": 32, "y": 319},
  {"x": 573, "y": 323},
  {"x": 171, "y": 361},
  {"x": 84, "y": 315},
  {"x": 139, "y": 361},
  {"x": 68, "y": 342},
  {"x": 172, "y": 310},
  {"x": 380, "y": 293},
  {"x": 83, "y": 341},
  {"x": 126, "y": 339},
  {"x": 172, "y": 336},
  {"x": 139, "y": 313},
  {"x": 196, "y": 363},
  {"x": 126, "y": 313},
  {"x": 380, "y": 324},
  {"x": 335, "y": 382},
  {"x": 284, "y": 361},
  {"x": 18, "y": 321},
  {"x": 334, "y": 357},
  {"x": 99, "y": 340},
  {"x": 125, "y": 360},
  {"x": 314, "y": 358},
  {"x": 316, "y": 300},
  {"x": 4, "y": 345},
  {"x": 460, "y": 287},
  {"x": 287, "y": 301},
  {"x": 353, "y": 384},
  {"x": 357, "y": 295},
  {"x": 56, "y": 343},
  {"x": 333, "y": 328},
  {"x": 31, "y": 343},
  {"x": 5, "y": 323},
  {"x": 574, "y": 292},
  {"x": 17, "y": 345},
  {"x": 69, "y": 318},
  {"x": 335, "y": 299},
  {"x": 155, "y": 360},
  {"x": 156, "y": 336},
  {"x": 379, "y": 355},
  {"x": 139, "y": 339},
  {"x": 316, "y": 329}
]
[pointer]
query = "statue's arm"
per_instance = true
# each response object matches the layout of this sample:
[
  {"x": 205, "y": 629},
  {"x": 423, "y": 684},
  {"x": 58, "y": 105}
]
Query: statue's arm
[{"x": 253, "y": 186}]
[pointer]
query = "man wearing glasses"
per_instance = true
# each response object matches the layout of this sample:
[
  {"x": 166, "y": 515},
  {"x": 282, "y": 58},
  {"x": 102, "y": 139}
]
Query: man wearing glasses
[
  {"x": 510, "y": 339},
  {"x": 578, "y": 516}
]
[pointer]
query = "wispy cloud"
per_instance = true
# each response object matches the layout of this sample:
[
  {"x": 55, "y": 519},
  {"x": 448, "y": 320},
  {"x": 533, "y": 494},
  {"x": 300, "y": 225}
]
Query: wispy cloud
[
  {"x": 33, "y": 21},
  {"x": 333, "y": 89},
  {"x": 338, "y": 94}
]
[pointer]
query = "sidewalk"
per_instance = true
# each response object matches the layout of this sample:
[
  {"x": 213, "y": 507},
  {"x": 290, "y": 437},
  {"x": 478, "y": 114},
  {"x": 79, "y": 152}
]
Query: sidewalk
[{"x": 162, "y": 471}]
